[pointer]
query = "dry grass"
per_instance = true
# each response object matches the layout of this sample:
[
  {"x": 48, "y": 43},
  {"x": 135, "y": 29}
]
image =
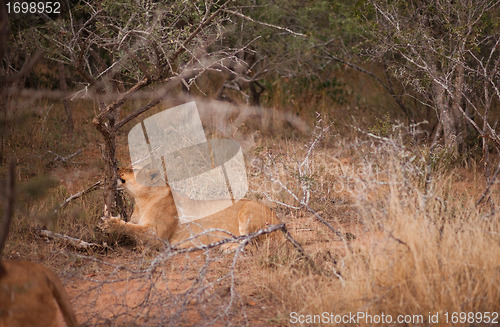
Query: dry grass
[
  {"x": 422, "y": 252},
  {"x": 419, "y": 247}
]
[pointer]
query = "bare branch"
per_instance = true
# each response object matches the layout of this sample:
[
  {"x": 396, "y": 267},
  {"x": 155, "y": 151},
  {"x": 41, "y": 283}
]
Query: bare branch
[
  {"x": 489, "y": 184},
  {"x": 27, "y": 67},
  {"x": 264, "y": 24},
  {"x": 233, "y": 239},
  {"x": 79, "y": 194},
  {"x": 63, "y": 158},
  {"x": 200, "y": 27},
  {"x": 74, "y": 242}
]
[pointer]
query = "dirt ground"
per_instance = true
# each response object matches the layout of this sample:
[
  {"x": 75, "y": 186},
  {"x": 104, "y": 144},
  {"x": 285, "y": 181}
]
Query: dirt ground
[{"x": 112, "y": 295}]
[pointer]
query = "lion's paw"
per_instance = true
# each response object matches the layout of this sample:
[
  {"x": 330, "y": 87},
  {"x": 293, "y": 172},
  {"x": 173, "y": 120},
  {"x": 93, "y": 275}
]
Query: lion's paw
[{"x": 111, "y": 223}]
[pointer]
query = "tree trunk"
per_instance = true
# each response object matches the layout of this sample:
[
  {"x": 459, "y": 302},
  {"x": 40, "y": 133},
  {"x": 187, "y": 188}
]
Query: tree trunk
[
  {"x": 64, "y": 88},
  {"x": 446, "y": 118},
  {"x": 109, "y": 156},
  {"x": 256, "y": 93},
  {"x": 107, "y": 129},
  {"x": 456, "y": 103}
]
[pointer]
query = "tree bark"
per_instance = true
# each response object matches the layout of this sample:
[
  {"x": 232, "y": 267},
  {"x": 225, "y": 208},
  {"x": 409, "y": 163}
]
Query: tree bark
[
  {"x": 456, "y": 102},
  {"x": 64, "y": 88},
  {"x": 445, "y": 117}
]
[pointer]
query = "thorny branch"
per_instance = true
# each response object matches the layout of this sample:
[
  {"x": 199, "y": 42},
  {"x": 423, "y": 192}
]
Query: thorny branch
[{"x": 304, "y": 173}]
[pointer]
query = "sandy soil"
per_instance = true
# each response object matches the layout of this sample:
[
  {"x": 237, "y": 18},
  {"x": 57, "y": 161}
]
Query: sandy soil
[{"x": 192, "y": 290}]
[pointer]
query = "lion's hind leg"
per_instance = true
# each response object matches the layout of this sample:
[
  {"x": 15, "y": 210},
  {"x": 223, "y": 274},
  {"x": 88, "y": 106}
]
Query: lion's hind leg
[{"x": 253, "y": 216}]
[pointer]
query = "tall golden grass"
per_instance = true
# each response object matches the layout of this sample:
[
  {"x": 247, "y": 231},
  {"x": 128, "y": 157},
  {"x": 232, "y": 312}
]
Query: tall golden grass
[{"x": 421, "y": 249}]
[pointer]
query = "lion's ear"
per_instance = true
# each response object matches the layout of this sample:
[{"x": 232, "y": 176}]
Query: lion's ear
[
  {"x": 155, "y": 176},
  {"x": 124, "y": 170}
]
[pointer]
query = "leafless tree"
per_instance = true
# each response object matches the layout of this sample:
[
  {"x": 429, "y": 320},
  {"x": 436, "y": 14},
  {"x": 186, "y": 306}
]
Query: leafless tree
[
  {"x": 10, "y": 77},
  {"x": 448, "y": 51},
  {"x": 119, "y": 49}
]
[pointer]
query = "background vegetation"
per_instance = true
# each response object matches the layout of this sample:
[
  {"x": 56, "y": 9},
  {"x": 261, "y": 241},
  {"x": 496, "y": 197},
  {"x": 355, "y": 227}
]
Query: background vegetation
[{"x": 370, "y": 127}]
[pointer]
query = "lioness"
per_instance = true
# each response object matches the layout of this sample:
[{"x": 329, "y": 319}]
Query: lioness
[
  {"x": 155, "y": 214},
  {"x": 32, "y": 295}
]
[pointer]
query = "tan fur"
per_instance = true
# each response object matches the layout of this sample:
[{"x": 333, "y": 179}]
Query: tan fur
[
  {"x": 32, "y": 295},
  {"x": 155, "y": 215}
]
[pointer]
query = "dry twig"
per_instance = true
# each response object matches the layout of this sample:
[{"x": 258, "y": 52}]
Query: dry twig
[
  {"x": 63, "y": 158},
  {"x": 74, "y": 242},
  {"x": 79, "y": 194}
]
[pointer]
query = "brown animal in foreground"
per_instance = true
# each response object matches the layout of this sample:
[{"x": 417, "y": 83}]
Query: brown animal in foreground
[
  {"x": 32, "y": 295},
  {"x": 155, "y": 215}
]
